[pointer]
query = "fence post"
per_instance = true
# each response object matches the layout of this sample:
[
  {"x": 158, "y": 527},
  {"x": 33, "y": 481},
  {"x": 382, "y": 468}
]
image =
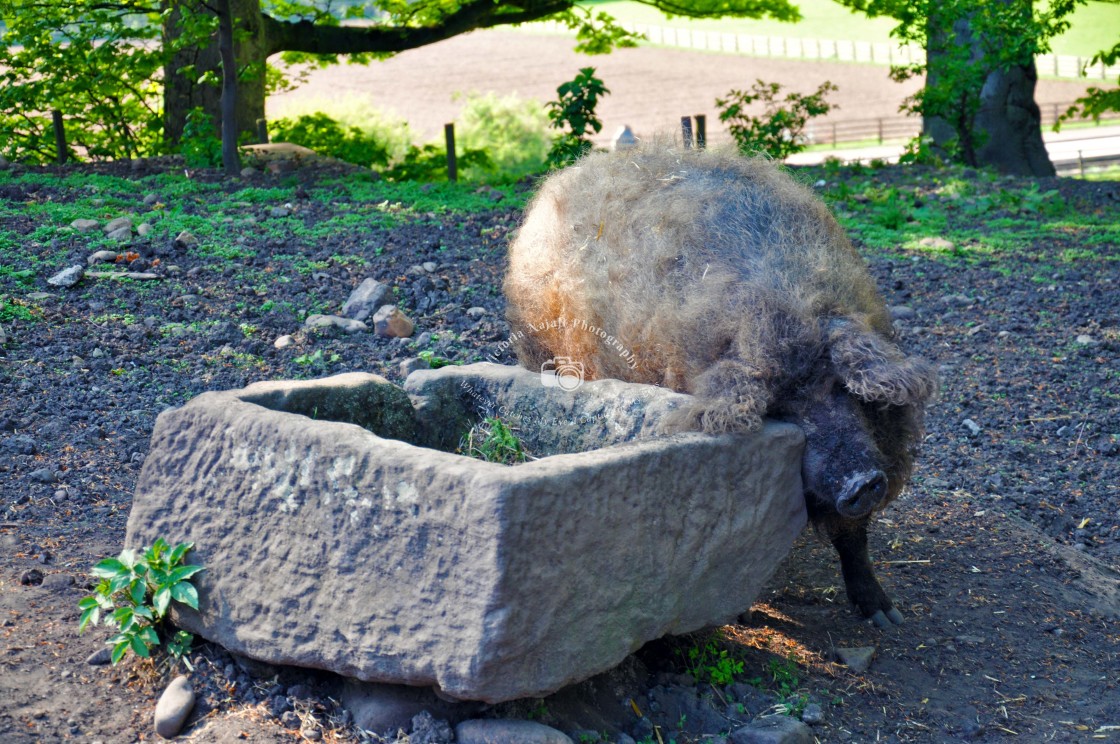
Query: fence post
[
  {"x": 834, "y": 134},
  {"x": 262, "y": 131},
  {"x": 59, "y": 135},
  {"x": 879, "y": 122},
  {"x": 686, "y": 131},
  {"x": 449, "y": 138},
  {"x": 701, "y": 130}
]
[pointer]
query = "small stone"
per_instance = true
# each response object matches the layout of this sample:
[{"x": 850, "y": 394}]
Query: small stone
[
  {"x": 957, "y": 300},
  {"x": 174, "y": 705},
  {"x": 39, "y": 296},
  {"x": 283, "y": 342},
  {"x": 144, "y": 229},
  {"x": 20, "y": 444},
  {"x": 279, "y": 212},
  {"x": 185, "y": 240},
  {"x": 122, "y": 234},
  {"x": 972, "y": 426},
  {"x": 408, "y": 366},
  {"x": 426, "y": 729},
  {"x": 100, "y": 657},
  {"x": 310, "y": 733},
  {"x": 248, "y": 172},
  {"x": 290, "y": 720},
  {"x": 813, "y": 714},
  {"x": 150, "y": 199},
  {"x": 857, "y": 659},
  {"x": 429, "y": 266},
  {"x": 83, "y": 225},
  {"x": 937, "y": 244},
  {"x": 101, "y": 257},
  {"x": 902, "y": 312},
  {"x": 67, "y": 277},
  {"x": 34, "y": 577},
  {"x": 476, "y": 312},
  {"x": 43, "y": 475},
  {"x": 119, "y": 223},
  {"x": 773, "y": 730},
  {"x": 366, "y": 298},
  {"x": 346, "y": 325},
  {"x": 392, "y": 323},
  {"x": 58, "y": 582},
  {"x": 1085, "y": 340},
  {"x": 501, "y": 731}
]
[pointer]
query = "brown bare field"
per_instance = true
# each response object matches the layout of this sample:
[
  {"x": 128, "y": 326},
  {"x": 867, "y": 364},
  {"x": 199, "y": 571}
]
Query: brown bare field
[{"x": 651, "y": 87}]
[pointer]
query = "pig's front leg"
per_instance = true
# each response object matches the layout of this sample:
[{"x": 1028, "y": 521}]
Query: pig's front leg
[{"x": 863, "y": 588}]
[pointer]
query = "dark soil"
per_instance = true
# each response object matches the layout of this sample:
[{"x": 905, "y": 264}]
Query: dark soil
[{"x": 1003, "y": 555}]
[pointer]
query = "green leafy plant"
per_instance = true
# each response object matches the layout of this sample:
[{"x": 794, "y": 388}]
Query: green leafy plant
[
  {"x": 779, "y": 130},
  {"x": 434, "y": 360},
  {"x": 493, "y": 440},
  {"x": 329, "y": 137},
  {"x": 134, "y": 594},
  {"x": 574, "y": 114},
  {"x": 709, "y": 663},
  {"x": 512, "y": 131},
  {"x": 429, "y": 163},
  {"x": 786, "y": 678},
  {"x": 200, "y": 145}
]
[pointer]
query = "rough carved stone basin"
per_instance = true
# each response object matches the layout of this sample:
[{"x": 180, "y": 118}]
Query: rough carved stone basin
[{"x": 340, "y": 531}]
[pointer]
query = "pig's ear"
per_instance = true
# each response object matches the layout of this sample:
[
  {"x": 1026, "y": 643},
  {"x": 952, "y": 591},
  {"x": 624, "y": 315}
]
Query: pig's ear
[{"x": 875, "y": 370}]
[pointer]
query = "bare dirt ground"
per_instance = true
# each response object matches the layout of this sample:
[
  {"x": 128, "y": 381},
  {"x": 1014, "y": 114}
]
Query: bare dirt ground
[{"x": 651, "y": 87}]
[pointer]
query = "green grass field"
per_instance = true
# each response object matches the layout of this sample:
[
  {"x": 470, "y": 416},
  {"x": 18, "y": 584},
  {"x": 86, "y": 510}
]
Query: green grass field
[{"x": 1095, "y": 26}]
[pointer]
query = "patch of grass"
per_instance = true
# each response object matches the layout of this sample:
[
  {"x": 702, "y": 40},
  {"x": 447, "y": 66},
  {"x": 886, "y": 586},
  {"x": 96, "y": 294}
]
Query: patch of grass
[
  {"x": 708, "y": 662},
  {"x": 493, "y": 440},
  {"x": 14, "y": 309}
]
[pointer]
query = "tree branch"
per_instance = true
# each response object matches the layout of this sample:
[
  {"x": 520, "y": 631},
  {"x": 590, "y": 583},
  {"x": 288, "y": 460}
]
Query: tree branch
[{"x": 307, "y": 37}]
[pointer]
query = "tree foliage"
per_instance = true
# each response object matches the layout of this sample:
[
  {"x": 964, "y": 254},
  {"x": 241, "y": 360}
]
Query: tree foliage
[
  {"x": 99, "y": 61},
  {"x": 965, "y": 42},
  {"x": 1098, "y": 101}
]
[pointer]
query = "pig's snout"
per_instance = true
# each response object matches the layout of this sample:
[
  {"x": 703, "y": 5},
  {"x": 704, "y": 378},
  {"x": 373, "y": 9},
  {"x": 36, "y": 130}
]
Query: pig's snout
[{"x": 861, "y": 493}]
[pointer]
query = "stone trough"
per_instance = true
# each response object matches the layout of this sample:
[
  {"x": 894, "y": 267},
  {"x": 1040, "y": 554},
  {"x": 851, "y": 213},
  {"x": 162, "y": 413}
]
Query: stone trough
[{"x": 340, "y": 530}]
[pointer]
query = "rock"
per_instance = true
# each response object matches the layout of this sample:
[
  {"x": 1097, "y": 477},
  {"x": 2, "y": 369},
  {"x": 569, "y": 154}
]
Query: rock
[
  {"x": 39, "y": 296},
  {"x": 67, "y": 277},
  {"x": 476, "y": 312},
  {"x": 857, "y": 659},
  {"x": 813, "y": 714},
  {"x": 123, "y": 234},
  {"x": 937, "y": 244},
  {"x": 426, "y": 729},
  {"x": 392, "y": 323},
  {"x": 298, "y": 490},
  {"x": 43, "y": 475},
  {"x": 84, "y": 226},
  {"x": 902, "y": 312},
  {"x": 957, "y": 300},
  {"x": 120, "y": 223},
  {"x": 173, "y": 708},
  {"x": 1085, "y": 340},
  {"x": 972, "y": 426},
  {"x": 386, "y": 709},
  {"x": 34, "y": 577},
  {"x": 773, "y": 730},
  {"x": 283, "y": 342},
  {"x": 100, "y": 657},
  {"x": 60, "y": 583},
  {"x": 408, "y": 366},
  {"x": 429, "y": 266},
  {"x": 3, "y": 336},
  {"x": 150, "y": 199},
  {"x": 323, "y": 322},
  {"x": 249, "y": 172},
  {"x": 366, "y": 299},
  {"x": 144, "y": 229},
  {"x": 20, "y": 444},
  {"x": 101, "y": 257},
  {"x": 502, "y": 731},
  {"x": 279, "y": 212},
  {"x": 185, "y": 240}
]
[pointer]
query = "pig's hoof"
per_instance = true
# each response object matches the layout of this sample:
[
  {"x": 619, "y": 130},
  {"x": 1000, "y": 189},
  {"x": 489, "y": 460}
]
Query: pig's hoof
[{"x": 887, "y": 619}]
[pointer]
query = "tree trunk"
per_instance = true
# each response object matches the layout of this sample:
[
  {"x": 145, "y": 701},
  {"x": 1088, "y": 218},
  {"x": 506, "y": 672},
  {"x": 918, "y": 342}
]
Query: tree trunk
[
  {"x": 184, "y": 88},
  {"x": 1012, "y": 122},
  {"x": 231, "y": 163}
]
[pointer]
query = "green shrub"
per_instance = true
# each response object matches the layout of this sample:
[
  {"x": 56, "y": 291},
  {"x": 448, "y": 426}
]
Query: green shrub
[
  {"x": 390, "y": 131},
  {"x": 328, "y": 137},
  {"x": 512, "y": 131},
  {"x": 429, "y": 163},
  {"x": 200, "y": 145},
  {"x": 573, "y": 113},
  {"x": 135, "y": 591},
  {"x": 779, "y": 130}
]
